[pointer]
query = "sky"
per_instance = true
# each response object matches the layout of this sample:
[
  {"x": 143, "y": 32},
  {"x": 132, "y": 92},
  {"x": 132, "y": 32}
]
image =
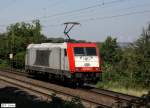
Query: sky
[{"x": 121, "y": 19}]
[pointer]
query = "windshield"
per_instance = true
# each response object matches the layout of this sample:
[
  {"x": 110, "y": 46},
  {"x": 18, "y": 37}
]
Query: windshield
[
  {"x": 90, "y": 51},
  {"x": 85, "y": 51},
  {"x": 79, "y": 51}
]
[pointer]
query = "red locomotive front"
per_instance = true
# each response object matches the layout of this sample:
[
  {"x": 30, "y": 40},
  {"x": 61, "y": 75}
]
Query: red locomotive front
[{"x": 84, "y": 61}]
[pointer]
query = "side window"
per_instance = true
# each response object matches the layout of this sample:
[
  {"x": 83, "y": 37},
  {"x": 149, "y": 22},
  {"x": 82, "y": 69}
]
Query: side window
[{"x": 65, "y": 52}]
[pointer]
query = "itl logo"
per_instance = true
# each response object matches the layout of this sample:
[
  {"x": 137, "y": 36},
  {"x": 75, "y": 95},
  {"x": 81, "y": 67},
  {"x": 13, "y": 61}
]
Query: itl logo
[{"x": 8, "y": 105}]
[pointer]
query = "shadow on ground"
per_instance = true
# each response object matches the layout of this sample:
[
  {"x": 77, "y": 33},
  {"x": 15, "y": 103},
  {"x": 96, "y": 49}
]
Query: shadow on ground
[{"x": 26, "y": 100}]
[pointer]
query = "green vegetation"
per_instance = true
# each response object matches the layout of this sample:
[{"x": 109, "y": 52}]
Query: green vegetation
[{"x": 126, "y": 68}]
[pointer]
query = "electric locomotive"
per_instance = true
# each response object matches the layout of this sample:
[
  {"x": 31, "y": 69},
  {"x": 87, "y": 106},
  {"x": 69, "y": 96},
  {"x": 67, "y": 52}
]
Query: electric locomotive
[
  {"x": 77, "y": 63},
  {"x": 73, "y": 62}
]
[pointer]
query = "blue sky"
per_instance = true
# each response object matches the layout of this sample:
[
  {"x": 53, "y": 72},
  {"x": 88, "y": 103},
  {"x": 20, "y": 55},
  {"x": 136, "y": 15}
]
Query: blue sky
[{"x": 96, "y": 23}]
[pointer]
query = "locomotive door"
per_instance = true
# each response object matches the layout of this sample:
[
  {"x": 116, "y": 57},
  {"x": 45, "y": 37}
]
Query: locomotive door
[{"x": 65, "y": 61}]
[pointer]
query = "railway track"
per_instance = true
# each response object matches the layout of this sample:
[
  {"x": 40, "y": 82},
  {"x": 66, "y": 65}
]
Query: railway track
[{"x": 90, "y": 98}]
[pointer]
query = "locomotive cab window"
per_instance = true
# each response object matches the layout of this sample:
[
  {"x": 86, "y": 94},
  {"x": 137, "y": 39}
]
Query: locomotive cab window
[
  {"x": 90, "y": 51},
  {"x": 79, "y": 51}
]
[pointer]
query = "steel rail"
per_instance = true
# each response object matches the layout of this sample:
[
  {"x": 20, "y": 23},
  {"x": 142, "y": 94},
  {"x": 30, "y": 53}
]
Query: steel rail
[
  {"x": 115, "y": 97},
  {"x": 48, "y": 92}
]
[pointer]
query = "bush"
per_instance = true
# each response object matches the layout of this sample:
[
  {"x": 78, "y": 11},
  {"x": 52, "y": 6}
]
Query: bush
[{"x": 19, "y": 60}]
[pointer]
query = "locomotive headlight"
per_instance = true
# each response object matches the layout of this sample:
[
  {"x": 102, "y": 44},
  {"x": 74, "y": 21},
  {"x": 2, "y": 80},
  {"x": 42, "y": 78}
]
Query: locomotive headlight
[{"x": 97, "y": 68}]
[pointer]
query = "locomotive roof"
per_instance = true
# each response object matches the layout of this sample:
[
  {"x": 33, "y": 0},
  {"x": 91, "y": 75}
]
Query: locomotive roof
[
  {"x": 48, "y": 45},
  {"x": 57, "y": 45}
]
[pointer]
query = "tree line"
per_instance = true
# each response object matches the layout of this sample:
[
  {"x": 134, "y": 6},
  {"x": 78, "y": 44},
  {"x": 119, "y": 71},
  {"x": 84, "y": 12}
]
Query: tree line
[{"x": 130, "y": 66}]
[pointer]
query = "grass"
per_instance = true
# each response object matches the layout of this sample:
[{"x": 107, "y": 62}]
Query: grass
[
  {"x": 130, "y": 91},
  {"x": 118, "y": 87}
]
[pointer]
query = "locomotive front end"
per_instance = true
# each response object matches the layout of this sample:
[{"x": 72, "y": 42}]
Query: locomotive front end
[{"x": 85, "y": 62}]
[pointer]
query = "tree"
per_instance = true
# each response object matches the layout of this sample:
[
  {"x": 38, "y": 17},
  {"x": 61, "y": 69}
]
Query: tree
[
  {"x": 17, "y": 38},
  {"x": 109, "y": 50},
  {"x": 111, "y": 54},
  {"x": 135, "y": 62},
  {"x": 142, "y": 50},
  {"x": 22, "y": 34}
]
